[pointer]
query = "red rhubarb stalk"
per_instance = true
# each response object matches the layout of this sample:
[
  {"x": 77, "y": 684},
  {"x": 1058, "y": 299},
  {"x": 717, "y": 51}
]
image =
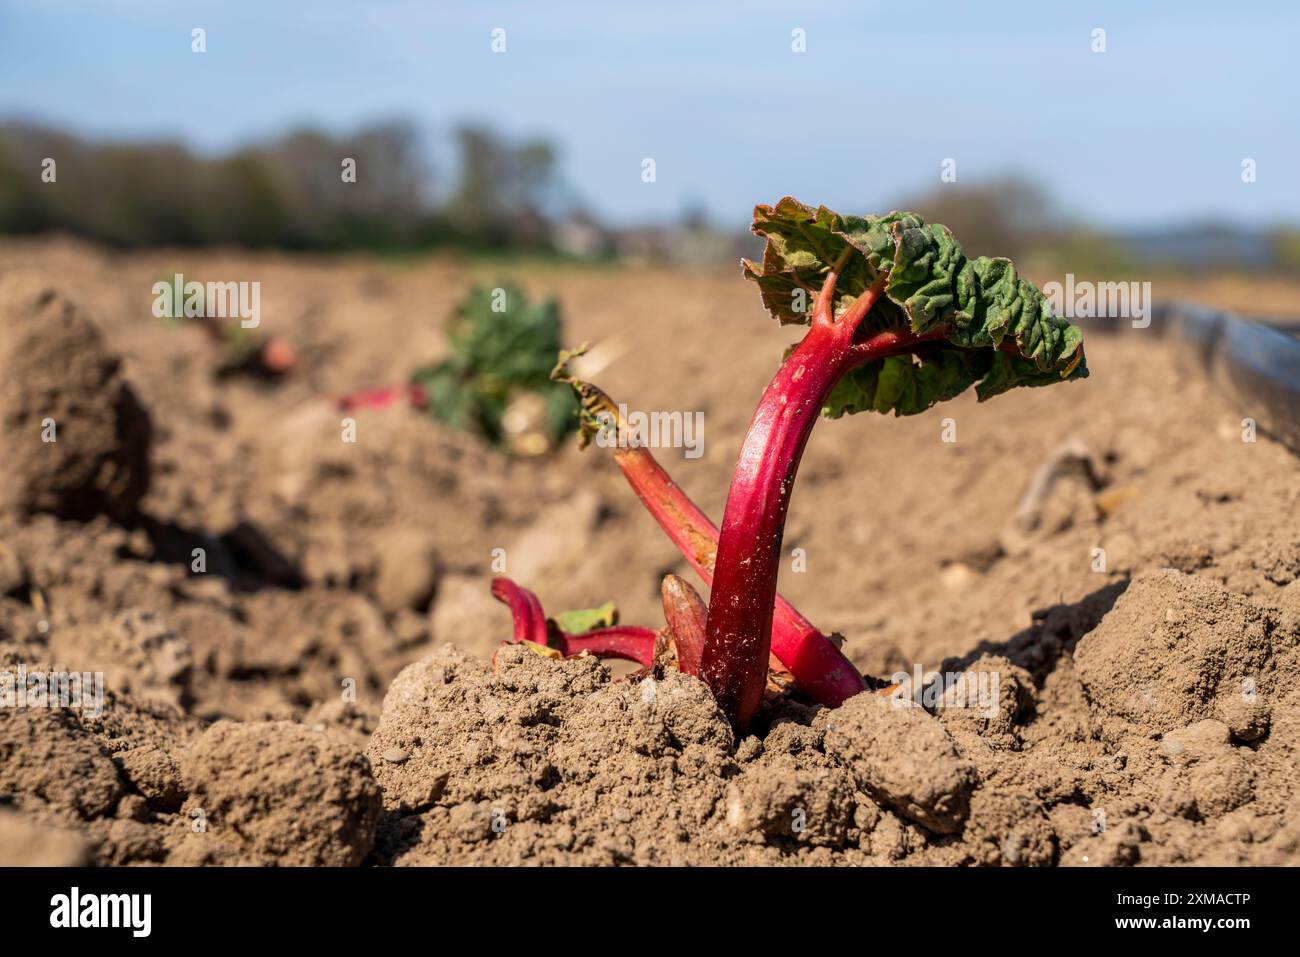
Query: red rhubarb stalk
[
  {"x": 383, "y": 397},
  {"x": 741, "y": 605},
  {"x": 980, "y": 325},
  {"x": 619, "y": 641},
  {"x": 525, "y": 609},
  {"x": 819, "y": 667}
]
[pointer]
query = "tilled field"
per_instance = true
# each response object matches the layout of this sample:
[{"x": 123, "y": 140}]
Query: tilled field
[{"x": 1142, "y": 620}]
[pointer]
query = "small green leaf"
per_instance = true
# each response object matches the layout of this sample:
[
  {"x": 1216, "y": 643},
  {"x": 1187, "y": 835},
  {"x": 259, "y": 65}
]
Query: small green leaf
[{"x": 587, "y": 619}]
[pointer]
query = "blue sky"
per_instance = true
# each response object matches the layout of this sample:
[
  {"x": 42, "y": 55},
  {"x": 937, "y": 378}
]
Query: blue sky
[{"x": 1152, "y": 131}]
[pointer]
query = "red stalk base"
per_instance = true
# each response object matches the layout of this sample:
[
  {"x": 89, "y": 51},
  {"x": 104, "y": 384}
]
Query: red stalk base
[{"x": 820, "y": 669}]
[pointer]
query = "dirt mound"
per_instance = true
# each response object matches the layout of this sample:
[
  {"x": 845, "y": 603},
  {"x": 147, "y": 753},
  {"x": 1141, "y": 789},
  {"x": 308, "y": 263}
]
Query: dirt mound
[
  {"x": 556, "y": 761},
  {"x": 97, "y": 597},
  {"x": 48, "y": 761},
  {"x": 551, "y": 761},
  {"x": 76, "y": 439},
  {"x": 1176, "y": 649},
  {"x": 902, "y": 756},
  {"x": 277, "y": 793}
]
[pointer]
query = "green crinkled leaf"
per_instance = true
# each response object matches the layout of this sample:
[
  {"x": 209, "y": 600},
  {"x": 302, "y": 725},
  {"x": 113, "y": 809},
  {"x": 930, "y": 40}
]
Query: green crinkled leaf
[
  {"x": 587, "y": 619},
  {"x": 1008, "y": 372},
  {"x": 498, "y": 332},
  {"x": 802, "y": 245},
  {"x": 906, "y": 385},
  {"x": 999, "y": 330},
  {"x": 501, "y": 345}
]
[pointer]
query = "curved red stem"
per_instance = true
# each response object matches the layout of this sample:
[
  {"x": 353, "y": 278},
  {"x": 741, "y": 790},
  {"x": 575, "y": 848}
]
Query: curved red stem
[
  {"x": 525, "y": 609},
  {"x": 742, "y": 602},
  {"x": 619, "y": 641}
]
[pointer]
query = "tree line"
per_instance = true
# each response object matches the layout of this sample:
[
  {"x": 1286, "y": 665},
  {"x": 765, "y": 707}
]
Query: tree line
[{"x": 306, "y": 190}]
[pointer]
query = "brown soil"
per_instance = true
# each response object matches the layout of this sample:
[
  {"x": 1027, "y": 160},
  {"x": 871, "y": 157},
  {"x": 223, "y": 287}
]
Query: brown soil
[
  {"x": 55, "y": 375},
  {"x": 322, "y": 694}
]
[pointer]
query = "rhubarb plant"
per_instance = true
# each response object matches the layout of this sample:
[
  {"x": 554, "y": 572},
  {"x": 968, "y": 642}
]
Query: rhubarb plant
[
  {"x": 899, "y": 319},
  {"x": 502, "y": 348},
  {"x": 495, "y": 381}
]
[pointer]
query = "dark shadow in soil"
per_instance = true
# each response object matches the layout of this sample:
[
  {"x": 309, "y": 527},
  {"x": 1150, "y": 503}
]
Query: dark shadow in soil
[
  {"x": 242, "y": 555},
  {"x": 1054, "y": 634},
  {"x": 396, "y": 833}
]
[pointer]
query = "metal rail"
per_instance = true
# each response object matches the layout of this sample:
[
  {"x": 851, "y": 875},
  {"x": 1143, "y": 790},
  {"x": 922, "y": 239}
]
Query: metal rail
[{"x": 1254, "y": 360}]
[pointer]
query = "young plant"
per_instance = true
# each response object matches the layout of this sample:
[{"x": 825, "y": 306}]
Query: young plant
[
  {"x": 241, "y": 351},
  {"x": 496, "y": 381},
  {"x": 898, "y": 319}
]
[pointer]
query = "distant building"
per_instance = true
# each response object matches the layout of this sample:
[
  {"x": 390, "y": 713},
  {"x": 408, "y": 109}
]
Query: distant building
[{"x": 579, "y": 235}]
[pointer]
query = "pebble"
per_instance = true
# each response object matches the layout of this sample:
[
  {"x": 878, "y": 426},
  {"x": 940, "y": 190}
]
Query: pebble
[{"x": 395, "y": 756}]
